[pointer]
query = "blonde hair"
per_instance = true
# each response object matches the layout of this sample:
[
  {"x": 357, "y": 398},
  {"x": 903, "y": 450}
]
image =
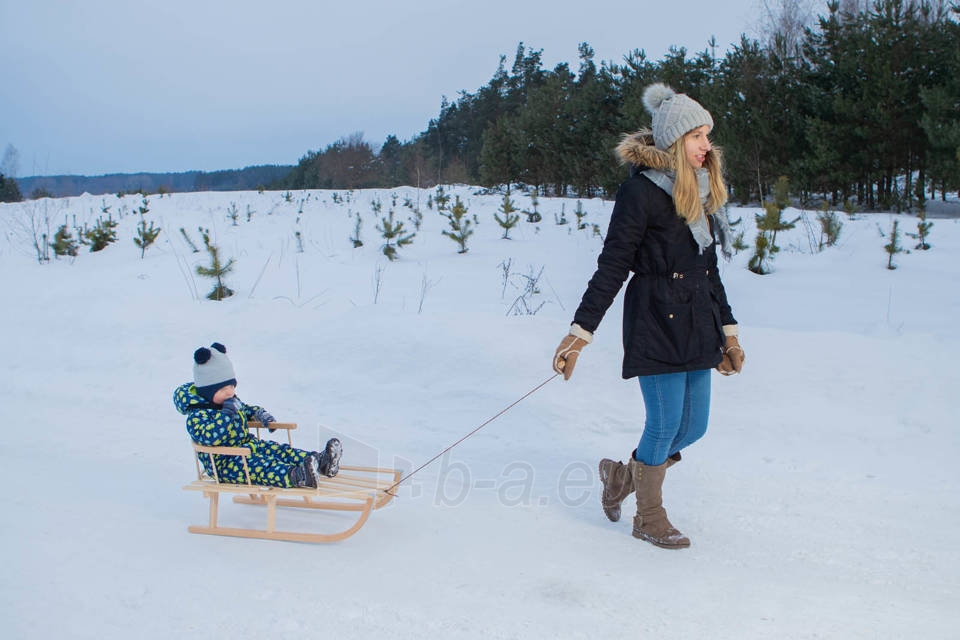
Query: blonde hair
[{"x": 686, "y": 193}]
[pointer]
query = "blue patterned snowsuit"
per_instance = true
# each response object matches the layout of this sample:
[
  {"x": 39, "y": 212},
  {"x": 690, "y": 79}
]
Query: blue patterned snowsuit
[{"x": 269, "y": 462}]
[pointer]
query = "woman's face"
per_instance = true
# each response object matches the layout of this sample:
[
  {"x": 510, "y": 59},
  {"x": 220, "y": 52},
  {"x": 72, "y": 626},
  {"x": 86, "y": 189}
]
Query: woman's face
[{"x": 696, "y": 144}]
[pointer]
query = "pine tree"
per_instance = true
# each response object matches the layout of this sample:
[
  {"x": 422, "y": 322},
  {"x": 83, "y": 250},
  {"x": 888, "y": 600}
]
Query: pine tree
[
  {"x": 63, "y": 242},
  {"x": 769, "y": 224},
  {"x": 355, "y": 238},
  {"x": 9, "y": 190},
  {"x": 534, "y": 215},
  {"x": 393, "y": 233},
  {"x": 923, "y": 230},
  {"x": 510, "y": 218},
  {"x": 581, "y": 214},
  {"x": 893, "y": 247},
  {"x": 217, "y": 269},
  {"x": 830, "y": 226},
  {"x": 441, "y": 199},
  {"x": 459, "y": 225},
  {"x": 761, "y": 254},
  {"x": 102, "y": 234},
  {"x": 145, "y": 236}
]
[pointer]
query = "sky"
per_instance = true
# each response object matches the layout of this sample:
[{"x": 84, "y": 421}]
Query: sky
[{"x": 110, "y": 86}]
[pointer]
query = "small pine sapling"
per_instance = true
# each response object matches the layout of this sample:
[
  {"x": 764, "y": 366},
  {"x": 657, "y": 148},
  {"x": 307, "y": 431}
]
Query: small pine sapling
[
  {"x": 393, "y": 234},
  {"x": 893, "y": 247},
  {"x": 830, "y": 226},
  {"x": 533, "y": 214},
  {"x": 923, "y": 230},
  {"x": 417, "y": 218},
  {"x": 63, "y": 242},
  {"x": 581, "y": 214},
  {"x": 460, "y": 225},
  {"x": 103, "y": 233},
  {"x": 441, "y": 199},
  {"x": 773, "y": 220},
  {"x": 233, "y": 213},
  {"x": 760, "y": 254},
  {"x": 562, "y": 218},
  {"x": 145, "y": 235},
  {"x": 217, "y": 269},
  {"x": 250, "y": 213},
  {"x": 737, "y": 243},
  {"x": 510, "y": 217},
  {"x": 355, "y": 238}
]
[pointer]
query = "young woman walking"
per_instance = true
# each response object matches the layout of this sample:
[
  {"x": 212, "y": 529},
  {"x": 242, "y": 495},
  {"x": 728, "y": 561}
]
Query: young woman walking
[{"x": 677, "y": 324}]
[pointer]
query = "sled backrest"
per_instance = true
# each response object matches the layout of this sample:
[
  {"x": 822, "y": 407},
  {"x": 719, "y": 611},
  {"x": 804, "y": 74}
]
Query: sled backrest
[{"x": 243, "y": 452}]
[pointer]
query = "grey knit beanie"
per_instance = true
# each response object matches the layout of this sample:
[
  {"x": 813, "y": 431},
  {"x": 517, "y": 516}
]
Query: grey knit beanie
[
  {"x": 212, "y": 370},
  {"x": 674, "y": 114}
]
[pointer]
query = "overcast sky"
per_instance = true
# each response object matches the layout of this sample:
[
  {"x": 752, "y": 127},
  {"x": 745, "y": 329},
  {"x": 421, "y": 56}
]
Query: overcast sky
[{"x": 121, "y": 86}]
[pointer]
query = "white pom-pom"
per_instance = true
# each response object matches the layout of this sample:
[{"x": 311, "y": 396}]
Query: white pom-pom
[{"x": 655, "y": 94}]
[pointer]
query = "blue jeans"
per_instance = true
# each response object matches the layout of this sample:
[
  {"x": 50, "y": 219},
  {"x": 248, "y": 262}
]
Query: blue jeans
[{"x": 678, "y": 406}]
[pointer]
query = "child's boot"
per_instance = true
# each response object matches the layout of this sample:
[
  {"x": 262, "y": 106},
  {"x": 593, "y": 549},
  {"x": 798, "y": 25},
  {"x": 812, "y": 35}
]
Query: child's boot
[
  {"x": 305, "y": 473},
  {"x": 329, "y": 461}
]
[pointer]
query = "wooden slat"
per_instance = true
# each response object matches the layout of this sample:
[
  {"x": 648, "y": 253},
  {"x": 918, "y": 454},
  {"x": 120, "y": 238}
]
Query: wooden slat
[
  {"x": 289, "y": 426},
  {"x": 224, "y": 451}
]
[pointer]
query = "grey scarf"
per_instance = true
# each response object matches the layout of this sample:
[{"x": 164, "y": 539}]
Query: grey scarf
[{"x": 700, "y": 229}]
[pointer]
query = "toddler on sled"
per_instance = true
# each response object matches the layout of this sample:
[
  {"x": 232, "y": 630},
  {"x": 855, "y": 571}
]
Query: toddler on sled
[{"x": 217, "y": 417}]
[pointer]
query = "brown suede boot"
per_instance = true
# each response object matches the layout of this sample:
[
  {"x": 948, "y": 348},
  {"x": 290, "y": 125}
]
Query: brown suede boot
[
  {"x": 618, "y": 484},
  {"x": 651, "y": 523}
]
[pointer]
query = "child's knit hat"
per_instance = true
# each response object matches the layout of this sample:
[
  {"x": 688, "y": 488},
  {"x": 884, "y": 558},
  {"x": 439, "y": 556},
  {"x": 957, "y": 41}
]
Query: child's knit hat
[
  {"x": 674, "y": 114},
  {"x": 212, "y": 370}
]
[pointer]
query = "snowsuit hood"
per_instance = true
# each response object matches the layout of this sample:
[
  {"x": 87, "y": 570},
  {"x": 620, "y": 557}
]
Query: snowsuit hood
[{"x": 186, "y": 399}]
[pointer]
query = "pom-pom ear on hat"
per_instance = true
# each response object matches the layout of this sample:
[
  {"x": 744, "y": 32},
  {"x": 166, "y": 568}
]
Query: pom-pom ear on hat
[
  {"x": 673, "y": 114},
  {"x": 212, "y": 370},
  {"x": 655, "y": 94}
]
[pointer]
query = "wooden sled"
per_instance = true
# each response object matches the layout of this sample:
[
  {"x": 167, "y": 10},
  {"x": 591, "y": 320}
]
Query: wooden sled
[{"x": 360, "y": 489}]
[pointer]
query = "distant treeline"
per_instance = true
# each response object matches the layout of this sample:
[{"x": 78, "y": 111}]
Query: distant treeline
[
  {"x": 247, "y": 179},
  {"x": 863, "y": 107}
]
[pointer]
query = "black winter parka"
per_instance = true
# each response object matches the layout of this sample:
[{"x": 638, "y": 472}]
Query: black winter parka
[{"x": 675, "y": 304}]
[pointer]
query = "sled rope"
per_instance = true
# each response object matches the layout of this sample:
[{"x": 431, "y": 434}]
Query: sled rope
[{"x": 488, "y": 421}]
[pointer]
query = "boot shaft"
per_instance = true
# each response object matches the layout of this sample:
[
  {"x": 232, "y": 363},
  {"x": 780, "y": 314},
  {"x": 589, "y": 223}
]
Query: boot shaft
[{"x": 651, "y": 522}]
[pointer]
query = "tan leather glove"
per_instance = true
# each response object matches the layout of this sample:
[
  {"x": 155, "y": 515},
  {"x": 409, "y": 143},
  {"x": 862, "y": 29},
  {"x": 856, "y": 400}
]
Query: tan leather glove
[
  {"x": 565, "y": 358},
  {"x": 733, "y": 356}
]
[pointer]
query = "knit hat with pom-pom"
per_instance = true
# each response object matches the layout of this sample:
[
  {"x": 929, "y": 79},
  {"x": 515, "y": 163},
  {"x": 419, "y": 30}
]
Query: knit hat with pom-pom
[
  {"x": 674, "y": 114},
  {"x": 212, "y": 370}
]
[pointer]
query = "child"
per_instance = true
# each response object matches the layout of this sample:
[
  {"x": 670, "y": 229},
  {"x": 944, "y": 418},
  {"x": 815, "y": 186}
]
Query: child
[{"x": 217, "y": 417}]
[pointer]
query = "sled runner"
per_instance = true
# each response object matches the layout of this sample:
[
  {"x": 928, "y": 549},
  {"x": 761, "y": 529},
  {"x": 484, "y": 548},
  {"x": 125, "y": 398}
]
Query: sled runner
[{"x": 357, "y": 489}]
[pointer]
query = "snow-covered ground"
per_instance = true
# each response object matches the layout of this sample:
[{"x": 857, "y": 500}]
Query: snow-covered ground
[{"x": 823, "y": 502}]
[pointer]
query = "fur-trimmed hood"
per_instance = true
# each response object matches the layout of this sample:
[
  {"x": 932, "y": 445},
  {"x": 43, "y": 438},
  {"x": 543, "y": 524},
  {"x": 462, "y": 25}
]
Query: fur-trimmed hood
[{"x": 638, "y": 151}]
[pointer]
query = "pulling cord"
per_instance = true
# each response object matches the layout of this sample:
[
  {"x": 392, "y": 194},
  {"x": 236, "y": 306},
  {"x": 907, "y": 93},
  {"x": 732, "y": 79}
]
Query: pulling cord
[{"x": 503, "y": 411}]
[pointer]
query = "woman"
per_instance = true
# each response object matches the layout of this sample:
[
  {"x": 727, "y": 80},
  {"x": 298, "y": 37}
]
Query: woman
[{"x": 677, "y": 324}]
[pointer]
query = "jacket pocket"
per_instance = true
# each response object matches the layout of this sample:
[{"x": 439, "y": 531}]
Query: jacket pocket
[{"x": 671, "y": 335}]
